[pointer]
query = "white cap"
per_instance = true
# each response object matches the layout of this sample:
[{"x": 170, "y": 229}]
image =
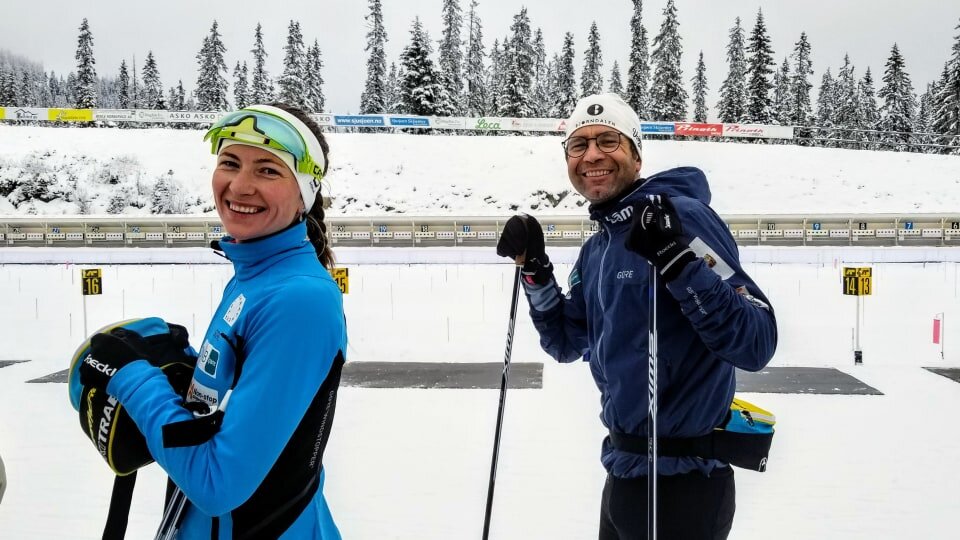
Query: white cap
[{"x": 606, "y": 110}]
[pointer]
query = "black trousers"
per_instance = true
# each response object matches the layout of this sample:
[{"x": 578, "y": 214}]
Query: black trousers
[{"x": 689, "y": 507}]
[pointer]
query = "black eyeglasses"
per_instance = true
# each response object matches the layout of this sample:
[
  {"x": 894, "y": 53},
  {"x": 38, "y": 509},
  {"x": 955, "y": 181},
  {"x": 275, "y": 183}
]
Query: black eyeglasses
[{"x": 607, "y": 142}]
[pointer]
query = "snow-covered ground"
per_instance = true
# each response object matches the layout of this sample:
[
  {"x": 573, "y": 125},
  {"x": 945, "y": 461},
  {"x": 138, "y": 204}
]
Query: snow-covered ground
[
  {"x": 414, "y": 464},
  {"x": 379, "y": 173}
]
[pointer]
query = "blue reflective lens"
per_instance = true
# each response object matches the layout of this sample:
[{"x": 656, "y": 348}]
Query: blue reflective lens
[{"x": 256, "y": 127}]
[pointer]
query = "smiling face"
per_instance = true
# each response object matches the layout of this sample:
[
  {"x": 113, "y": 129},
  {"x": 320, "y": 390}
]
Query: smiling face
[
  {"x": 599, "y": 176},
  {"x": 255, "y": 192}
]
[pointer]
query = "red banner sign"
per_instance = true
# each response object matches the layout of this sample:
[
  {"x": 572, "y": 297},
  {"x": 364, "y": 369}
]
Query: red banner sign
[{"x": 698, "y": 130}]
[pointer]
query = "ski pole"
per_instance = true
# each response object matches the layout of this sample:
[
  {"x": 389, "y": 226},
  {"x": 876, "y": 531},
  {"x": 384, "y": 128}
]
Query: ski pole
[
  {"x": 503, "y": 396},
  {"x": 652, "y": 407},
  {"x": 173, "y": 514}
]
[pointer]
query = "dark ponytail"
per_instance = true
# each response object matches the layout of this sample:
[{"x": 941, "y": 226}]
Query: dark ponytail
[{"x": 316, "y": 227}]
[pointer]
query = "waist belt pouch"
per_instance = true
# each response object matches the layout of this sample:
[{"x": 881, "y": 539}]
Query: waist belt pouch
[{"x": 744, "y": 439}]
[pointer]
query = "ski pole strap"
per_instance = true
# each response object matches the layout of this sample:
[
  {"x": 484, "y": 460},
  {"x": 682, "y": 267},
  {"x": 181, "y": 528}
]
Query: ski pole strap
[
  {"x": 744, "y": 450},
  {"x": 116, "y": 527}
]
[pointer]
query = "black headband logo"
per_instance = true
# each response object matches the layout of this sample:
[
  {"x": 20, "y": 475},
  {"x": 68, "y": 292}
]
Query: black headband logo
[{"x": 595, "y": 109}]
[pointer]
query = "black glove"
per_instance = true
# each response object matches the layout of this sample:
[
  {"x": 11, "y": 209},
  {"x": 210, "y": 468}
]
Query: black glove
[
  {"x": 657, "y": 235},
  {"x": 109, "y": 353},
  {"x": 523, "y": 236}
]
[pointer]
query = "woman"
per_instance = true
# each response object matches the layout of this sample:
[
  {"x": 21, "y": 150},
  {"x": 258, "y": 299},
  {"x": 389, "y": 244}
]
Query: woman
[{"x": 273, "y": 351}]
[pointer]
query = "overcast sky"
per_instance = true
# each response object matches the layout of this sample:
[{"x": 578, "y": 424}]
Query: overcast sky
[{"x": 46, "y": 31}]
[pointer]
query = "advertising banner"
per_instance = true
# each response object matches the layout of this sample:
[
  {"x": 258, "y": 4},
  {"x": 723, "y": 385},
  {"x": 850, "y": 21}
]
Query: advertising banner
[
  {"x": 113, "y": 115},
  {"x": 538, "y": 124},
  {"x": 70, "y": 115},
  {"x": 488, "y": 124},
  {"x": 757, "y": 131},
  {"x": 142, "y": 115},
  {"x": 660, "y": 128},
  {"x": 409, "y": 121},
  {"x": 698, "y": 130},
  {"x": 192, "y": 117},
  {"x": 449, "y": 122},
  {"x": 323, "y": 119},
  {"x": 359, "y": 121}
]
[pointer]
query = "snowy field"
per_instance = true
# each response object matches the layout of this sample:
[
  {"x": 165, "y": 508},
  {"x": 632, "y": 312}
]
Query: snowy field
[
  {"x": 414, "y": 464},
  {"x": 378, "y": 174}
]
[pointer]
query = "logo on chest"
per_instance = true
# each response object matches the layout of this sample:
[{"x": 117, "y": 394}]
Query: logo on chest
[
  {"x": 233, "y": 312},
  {"x": 208, "y": 359}
]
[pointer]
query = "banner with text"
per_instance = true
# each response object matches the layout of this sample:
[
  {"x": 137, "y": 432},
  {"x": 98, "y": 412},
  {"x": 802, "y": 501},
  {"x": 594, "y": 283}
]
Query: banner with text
[{"x": 400, "y": 121}]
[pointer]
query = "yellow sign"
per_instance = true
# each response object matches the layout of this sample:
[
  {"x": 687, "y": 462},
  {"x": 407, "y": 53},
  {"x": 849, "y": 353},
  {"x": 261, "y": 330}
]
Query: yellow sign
[
  {"x": 70, "y": 115},
  {"x": 342, "y": 277},
  {"x": 857, "y": 281},
  {"x": 91, "y": 281},
  {"x": 3, "y": 113}
]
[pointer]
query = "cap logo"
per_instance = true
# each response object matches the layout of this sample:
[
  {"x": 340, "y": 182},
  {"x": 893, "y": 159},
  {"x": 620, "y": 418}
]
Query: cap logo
[{"x": 595, "y": 109}]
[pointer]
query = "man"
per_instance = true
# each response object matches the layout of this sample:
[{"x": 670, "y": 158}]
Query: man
[{"x": 711, "y": 317}]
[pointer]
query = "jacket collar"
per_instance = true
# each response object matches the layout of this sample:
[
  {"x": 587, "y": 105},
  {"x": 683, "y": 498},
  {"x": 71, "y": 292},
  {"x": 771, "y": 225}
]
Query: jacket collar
[
  {"x": 251, "y": 258},
  {"x": 619, "y": 209}
]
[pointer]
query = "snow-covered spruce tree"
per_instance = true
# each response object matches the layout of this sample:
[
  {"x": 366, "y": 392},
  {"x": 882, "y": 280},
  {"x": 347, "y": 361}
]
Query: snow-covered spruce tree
[
  {"x": 316, "y": 101},
  {"x": 781, "y": 94},
  {"x": 261, "y": 86},
  {"x": 8, "y": 94},
  {"x": 541, "y": 100},
  {"x": 475, "y": 74},
  {"x": 123, "y": 83},
  {"x": 391, "y": 91},
  {"x": 616, "y": 82},
  {"x": 591, "y": 80},
  {"x": 700, "y": 91},
  {"x": 86, "y": 82},
  {"x": 28, "y": 94},
  {"x": 421, "y": 89},
  {"x": 923, "y": 122},
  {"x": 517, "y": 97},
  {"x": 638, "y": 75},
  {"x": 180, "y": 101},
  {"x": 869, "y": 113},
  {"x": 241, "y": 90},
  {"x": 451, "y": 55},
  {"x": 291, "y": 86},
  {"x": 899, "y": 104},
  {"x": 759, "y": 69},
  {"x": 826, "y": 109},
  {"x": 847, "y": 113},
  {"x": 801, "y": 111},
  {"x": 152, "y": 87},
  {"x": 374, "y": 96},
  {"x": 496, "y": 77},
  {"x": 211, "y": 89},
  {"x": 668, "y": 97},
  {"x": 165, "y": 193},
  {"x": 946, "y": 104},
  {"x": 566, "y": 98}
]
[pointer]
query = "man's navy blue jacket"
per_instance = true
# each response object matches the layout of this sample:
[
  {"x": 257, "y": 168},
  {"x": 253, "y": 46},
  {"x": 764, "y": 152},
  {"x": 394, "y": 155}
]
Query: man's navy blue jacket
[{"x": 713, "y": 318}]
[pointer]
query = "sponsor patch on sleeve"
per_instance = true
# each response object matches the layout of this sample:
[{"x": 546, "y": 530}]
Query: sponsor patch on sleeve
[
  {"x": 714, "y": 261},
  {"x": 203, "y": 394}
]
